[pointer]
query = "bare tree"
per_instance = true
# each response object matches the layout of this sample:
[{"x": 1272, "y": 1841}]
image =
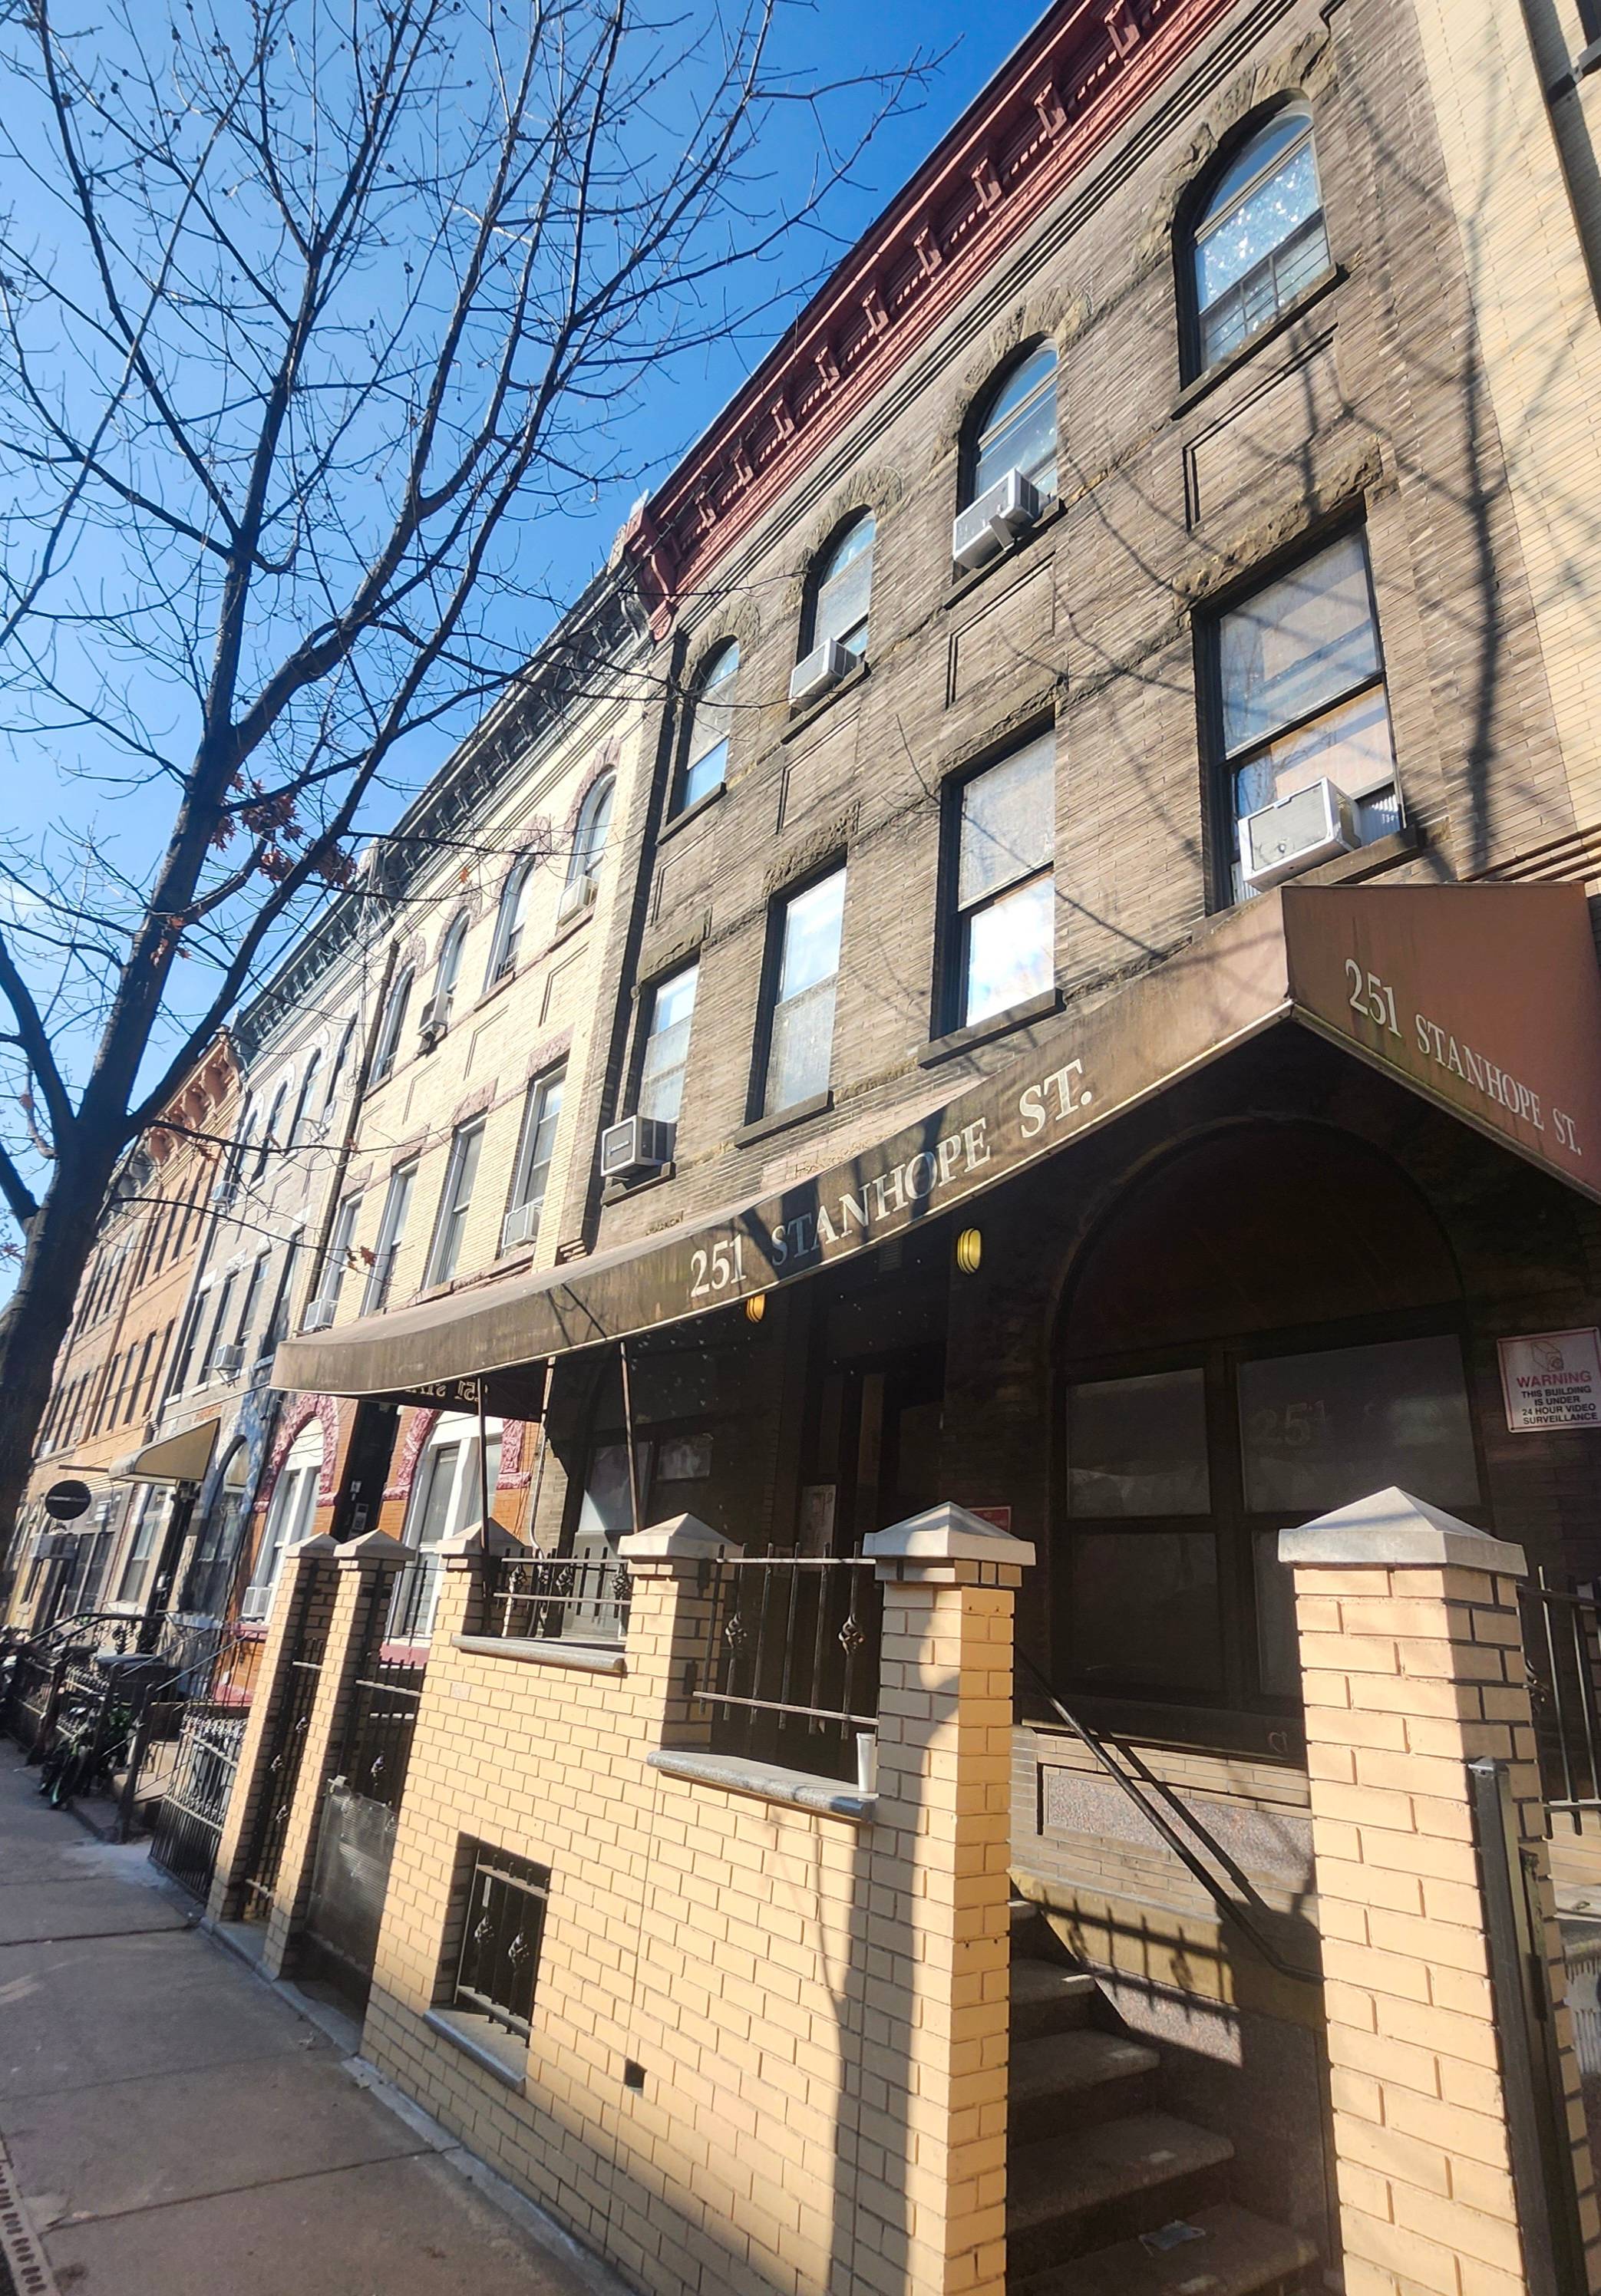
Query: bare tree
[{"x": 308, "y": 317}]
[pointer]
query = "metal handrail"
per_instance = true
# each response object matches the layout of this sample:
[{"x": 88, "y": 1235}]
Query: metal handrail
[{"x": 1134, "y": 1785}]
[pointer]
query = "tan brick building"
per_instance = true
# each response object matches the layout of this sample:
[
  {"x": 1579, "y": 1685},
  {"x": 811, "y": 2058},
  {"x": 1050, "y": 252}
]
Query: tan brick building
[{"x": 1084, "y": 1064}]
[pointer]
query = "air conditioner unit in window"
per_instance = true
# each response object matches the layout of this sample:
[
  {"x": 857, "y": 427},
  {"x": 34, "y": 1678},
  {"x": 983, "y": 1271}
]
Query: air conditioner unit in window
[
  {"x": 994, "y": 522},
  {"x": 521, "y": 1224},
  {"x": 228, "y": 1361},
  {"x": 1312, "y": 824},
  {"x": 318, "y": 1315},
  {"x": 436, "y": 1018},
  {"x": 639, "y": 1143},
  {"x": 822, "y": 668}
]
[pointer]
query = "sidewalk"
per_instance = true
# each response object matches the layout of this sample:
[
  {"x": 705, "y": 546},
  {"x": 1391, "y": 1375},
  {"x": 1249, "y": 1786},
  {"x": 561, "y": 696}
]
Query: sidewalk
[{"x": 177, "y": 2129}]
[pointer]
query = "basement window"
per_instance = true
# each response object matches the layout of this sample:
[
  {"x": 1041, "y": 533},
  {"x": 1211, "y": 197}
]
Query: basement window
[{"x": 503, "y": 1924}]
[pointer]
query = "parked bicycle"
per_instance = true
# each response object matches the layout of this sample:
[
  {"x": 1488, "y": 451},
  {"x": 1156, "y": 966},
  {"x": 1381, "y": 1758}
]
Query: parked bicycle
[{"x": 89, "y": 1746}]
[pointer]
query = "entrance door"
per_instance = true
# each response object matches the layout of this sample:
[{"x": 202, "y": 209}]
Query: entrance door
[{"x": 1302, "y": 1349}]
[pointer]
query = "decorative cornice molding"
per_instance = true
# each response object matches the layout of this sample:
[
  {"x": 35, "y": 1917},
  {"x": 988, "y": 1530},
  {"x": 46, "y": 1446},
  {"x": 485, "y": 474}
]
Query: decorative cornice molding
[{"x": 1072, "y": 84}]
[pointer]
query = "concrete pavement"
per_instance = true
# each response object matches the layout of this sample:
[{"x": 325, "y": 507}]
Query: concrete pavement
[{"x": 176, "y": 2128}]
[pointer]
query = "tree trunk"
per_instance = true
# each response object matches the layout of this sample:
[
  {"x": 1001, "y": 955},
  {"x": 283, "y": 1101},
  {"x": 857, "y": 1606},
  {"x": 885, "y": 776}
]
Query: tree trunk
[{"x": 34, "y": 1322}]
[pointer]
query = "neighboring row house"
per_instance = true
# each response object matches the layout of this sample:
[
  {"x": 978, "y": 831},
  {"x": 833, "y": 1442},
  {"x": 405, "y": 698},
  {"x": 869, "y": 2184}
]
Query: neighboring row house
[{"x": 1012, "y": 1001}]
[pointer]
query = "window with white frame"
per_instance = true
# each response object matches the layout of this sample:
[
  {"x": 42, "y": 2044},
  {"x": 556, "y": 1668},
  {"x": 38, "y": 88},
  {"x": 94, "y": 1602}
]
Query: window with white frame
[
  {"x": 456, "y": 1202},
  {"x": 289, "y": 1517},
  {"x": 804, "y": 976},
  {"x": 589, "y": 835},
  {"x": 447, "y": 972},
  {"x": 666, "y": 1051},
  {"x": 1003, "y": 938},
  {"x": 706, "y": 740},
  {"x": 149, "y": 1515},
  {"x": 341, "y": 1239},
  {"x": 271, "y": 1135},
  {"x": 1017, "y": 427},
  {"x": 391, "y": 1237},
  {"x": 843, "y": 589},
  {"x": 303, "y": 1120},
  {"x": 390, "y": 1025},
  {"x": 509, "y": 920},
  {"x": 336, "y": 1074},
  {"x": 530, "y": 1175},
  {"x": 1301, "y": 695},
  {"x": 446, "y": 1498},
  {"x": 1260, "y": 240}
]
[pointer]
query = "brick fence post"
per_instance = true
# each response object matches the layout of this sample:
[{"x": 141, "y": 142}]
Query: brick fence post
[
  {"x": 367, "y": 1568},
  {"x": 1413, "y": 1667},
  {"x": 295, "y": 1592},
  {"x": 939, "y": 1941}
]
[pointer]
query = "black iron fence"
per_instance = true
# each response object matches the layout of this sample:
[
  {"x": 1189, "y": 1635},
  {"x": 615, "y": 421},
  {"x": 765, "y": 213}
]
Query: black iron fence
[
  {"x": 791, "y": 1671},
  {"x": 42, "y": 1674},
  {"x": 580, "y": 1597},
  {"x": 391, "y": 1661},
  {"x": 1562, "y": 1643},
  {"x": 285, "y": 1751},
  {"x": 193, "y": 1764}
]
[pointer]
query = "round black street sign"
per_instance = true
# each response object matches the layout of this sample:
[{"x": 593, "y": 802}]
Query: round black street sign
[{"x": 67, "y": 1501}]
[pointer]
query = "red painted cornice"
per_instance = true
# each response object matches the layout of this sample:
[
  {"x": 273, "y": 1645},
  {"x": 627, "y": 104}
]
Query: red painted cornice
[{"x": 1073, "y": 82}]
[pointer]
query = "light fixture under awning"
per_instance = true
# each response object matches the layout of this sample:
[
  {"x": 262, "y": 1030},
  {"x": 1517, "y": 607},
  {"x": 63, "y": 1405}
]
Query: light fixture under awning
[
  {"x": 1485, "y": 999},
  {"x": 181, "y": 1458}
]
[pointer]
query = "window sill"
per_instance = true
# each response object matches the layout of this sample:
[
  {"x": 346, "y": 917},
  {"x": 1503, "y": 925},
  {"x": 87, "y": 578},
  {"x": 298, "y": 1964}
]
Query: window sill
[
  {"x": 1212, "y": 377},
  {"x": 1368, "y": 860},
  {"x": 964, "y": 585},
  {"x": 801, "y": 719},
  {"x": 488, "y": 2044},
  {"x": 762, "y": 1127},
  {"x": 615, "y": 1191},
  {"x": 581, "y": 1657},
  {"x": 565, "y": 929},
  {"x": 793, "y": 1789},
  {"x": 682, "y": 819},
  {"x": 981, "y": 1032},
  {"x": 496, "y": 988}
]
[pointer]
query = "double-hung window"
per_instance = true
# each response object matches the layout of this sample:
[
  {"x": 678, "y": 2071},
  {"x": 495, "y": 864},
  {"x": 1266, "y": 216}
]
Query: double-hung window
[
  {"x": 455, "y": 1200},
  {"x": 1301, "y": 695},
  {"x": 1003, "y": 938},
  {"x": 320, "y": 1310},
  {"x": 389, "y": 1026},
  {"x": 805, "y": 968},
  {"x": 843, "y": 589},
  {"x": 1018, "y": 427},
  {"x": 541, "y": 1118},
  {"x": 588, "y": 846},
  {"x": 706, "y": 744},
  {"x": 666, "y": 1052},
  {"x": 1260, "y": 240},
  {"x": 509, "y": 920},
  {"x": 391, "y": 1235}
]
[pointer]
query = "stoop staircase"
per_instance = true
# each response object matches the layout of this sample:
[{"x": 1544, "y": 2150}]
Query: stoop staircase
[{"x": 1093, "y": 2161}]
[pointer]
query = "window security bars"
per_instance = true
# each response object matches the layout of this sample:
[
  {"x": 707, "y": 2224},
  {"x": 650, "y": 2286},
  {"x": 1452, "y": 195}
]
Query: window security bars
[
  {"x": 792, "y": 1669},
  {"x": 501, "y": 1933},
  {"x": 1562, "y": 1640},
  {"x": 577, "y": 1597}
]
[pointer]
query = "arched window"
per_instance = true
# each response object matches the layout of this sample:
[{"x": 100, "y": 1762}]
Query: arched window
[
  {"x": 843, "y": 589},
  {"x": 288, "y": 1517},
  {"x": 589, "y": 845},
  {"x": 336, "y": 1074},
  {"x": 271, "y": 1137},
  {"x": 1015, "y": 427},
  {"x": 509, "y": 920},
  {"x": 234, "y": 1162},
  {"x": 301, "y": 1123},
  {"x": 391, "y": 1024},
  {"x": 1259, "y": 239},
  {"x": 706, "y": 742},
  {"x": 447, "y": 972}
]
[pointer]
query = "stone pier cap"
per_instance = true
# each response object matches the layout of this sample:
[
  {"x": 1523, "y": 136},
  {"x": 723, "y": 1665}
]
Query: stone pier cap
[{"x": 1391, "y": 1531}]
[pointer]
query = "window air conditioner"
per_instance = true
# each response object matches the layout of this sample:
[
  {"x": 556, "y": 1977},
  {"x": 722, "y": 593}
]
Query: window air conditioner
[
  {"x": 228, "y": 1361},
  {"x": 318, "y": 1315},
  {"x": 993, "y": 522},
  {"x": 1312, "y": 824},
  {"x": 823, "y": 667},
  {"x": 521, "y": 1224},
  {"x": 436, "y": 1018},
  {"x": 639, "y": 1143}
]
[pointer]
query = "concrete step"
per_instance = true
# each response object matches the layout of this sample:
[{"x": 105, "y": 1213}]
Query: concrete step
[
  {"x": 1048, "y": 1996},
  {"x": 1069, "y": 2195},
  {"x": 1242, "y": 2255},
  {"x": 1062, "y": 2081}
]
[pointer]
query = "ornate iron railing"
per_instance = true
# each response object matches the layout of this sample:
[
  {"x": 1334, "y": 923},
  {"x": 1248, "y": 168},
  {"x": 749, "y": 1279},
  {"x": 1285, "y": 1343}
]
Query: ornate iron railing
[
  {"x": 1562, "y": 1646},
  {"x": 790, "y": 1673},
  {"x": 580, "y": 1597},
  {"x": 382, "y": 1717}
]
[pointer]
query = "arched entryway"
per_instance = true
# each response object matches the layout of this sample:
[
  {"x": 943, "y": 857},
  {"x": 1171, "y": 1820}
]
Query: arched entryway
[{"x": 1267, "y": 1323}]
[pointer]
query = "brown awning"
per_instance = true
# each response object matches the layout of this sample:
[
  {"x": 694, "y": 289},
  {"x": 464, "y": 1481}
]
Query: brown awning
[
  {"x": 1484, "y": 998},
  {"x": 181, "y": 1458}
]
